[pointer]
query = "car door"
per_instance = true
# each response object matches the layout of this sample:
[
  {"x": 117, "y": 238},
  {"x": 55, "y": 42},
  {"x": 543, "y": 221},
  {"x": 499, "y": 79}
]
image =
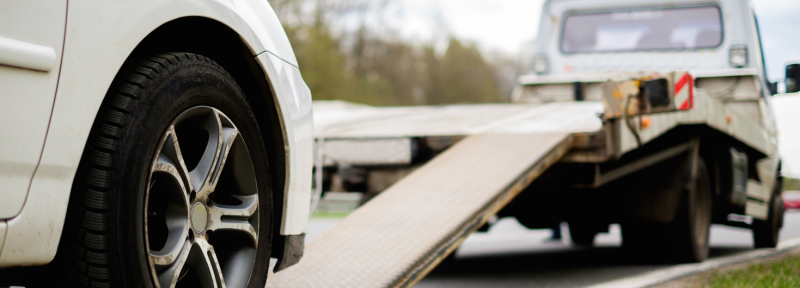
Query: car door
[{"x": 31, "y": 41}]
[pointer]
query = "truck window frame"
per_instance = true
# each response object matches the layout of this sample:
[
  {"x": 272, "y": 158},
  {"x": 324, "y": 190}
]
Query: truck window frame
[{"x": 572, "y": 12}]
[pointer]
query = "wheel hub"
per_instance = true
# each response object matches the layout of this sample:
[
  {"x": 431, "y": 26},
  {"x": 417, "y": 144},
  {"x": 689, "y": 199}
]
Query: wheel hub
[{"x": 199, "y": 217}]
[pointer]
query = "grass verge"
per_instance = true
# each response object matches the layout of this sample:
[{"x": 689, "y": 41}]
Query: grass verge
[
  {"x": 779, "y": 271},
  {"x": 328, "y": 215}
]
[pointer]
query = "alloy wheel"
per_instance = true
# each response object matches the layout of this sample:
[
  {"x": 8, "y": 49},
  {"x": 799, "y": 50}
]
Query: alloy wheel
[{"x": 201, "y": 217}]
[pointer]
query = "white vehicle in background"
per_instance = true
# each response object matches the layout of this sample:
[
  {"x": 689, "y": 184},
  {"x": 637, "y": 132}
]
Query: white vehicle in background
[
  {"x": 150, "y": 144},
  {"x": 708, "y": 55}
]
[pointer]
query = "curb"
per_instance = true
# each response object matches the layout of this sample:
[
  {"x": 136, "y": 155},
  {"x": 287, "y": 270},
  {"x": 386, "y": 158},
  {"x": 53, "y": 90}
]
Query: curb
[{"x": 679, "y": 271}]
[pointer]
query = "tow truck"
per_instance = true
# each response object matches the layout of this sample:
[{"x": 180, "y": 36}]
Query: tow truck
[{"x": 648, "y": 113}]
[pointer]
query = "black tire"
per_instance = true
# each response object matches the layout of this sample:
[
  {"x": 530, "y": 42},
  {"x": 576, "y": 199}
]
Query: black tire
[
  {"x": 103, "y": 244},
  {"x": 689, "y": 232},
  {"x": 583, "y": 234},
  {"x": 641, "y": 236},
  {"x": 685, "y": 239},
  {"x": 765, "y": 233}
]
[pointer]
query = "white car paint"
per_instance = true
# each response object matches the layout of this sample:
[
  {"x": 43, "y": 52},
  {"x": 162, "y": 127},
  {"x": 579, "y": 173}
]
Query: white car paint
[
  {"x": 100, "y": 35},
  {"x": 31, "y": 36},
  {"x": 298, "y": 98}
]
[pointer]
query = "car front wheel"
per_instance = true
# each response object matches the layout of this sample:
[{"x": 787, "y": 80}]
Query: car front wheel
[{"x": 173, "y": 189}]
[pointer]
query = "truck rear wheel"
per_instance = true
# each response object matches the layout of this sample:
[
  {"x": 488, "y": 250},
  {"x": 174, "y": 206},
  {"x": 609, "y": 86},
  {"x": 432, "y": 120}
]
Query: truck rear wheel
[
  {"x": 582, "y": 234},
  {"x": 765, "y": 233},
  {"x": 640, "y": 235},
  {"x": 686, "y": 237},
  {"x": 688, "y": 233}
]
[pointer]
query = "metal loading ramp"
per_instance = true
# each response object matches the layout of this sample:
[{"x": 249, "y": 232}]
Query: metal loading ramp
[{"x": 402, "y": 234}]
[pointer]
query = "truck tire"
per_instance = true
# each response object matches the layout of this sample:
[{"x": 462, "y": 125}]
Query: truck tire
[
  {"x": 688, "y": 233},
  {"x": 765, "y": 233},
  {"x": 583, "y": 234},
  {"x": 685, "y": 239},
  {"x": 175, "y": 148},
  {"x": 639, "y": 236}
]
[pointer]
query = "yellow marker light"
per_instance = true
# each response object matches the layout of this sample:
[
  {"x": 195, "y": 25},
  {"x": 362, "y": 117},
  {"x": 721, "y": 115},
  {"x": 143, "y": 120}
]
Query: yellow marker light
[{"x": 646, "y": 121}]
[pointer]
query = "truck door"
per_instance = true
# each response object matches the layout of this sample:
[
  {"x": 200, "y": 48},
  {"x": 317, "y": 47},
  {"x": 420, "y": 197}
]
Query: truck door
[{"x": 31, "y": 41}]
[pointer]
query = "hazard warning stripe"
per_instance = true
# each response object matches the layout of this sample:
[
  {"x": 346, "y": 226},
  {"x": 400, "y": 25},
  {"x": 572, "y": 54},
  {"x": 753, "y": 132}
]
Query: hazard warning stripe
[{"x": 684, "y": 94}]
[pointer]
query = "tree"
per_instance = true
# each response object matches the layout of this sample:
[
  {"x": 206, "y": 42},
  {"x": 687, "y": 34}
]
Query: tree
[
  {"x": 466, "y": 77},
  {"x": 376, "y": 69}
]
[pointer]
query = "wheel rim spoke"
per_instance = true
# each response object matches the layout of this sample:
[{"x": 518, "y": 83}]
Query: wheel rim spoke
[
  {"x": 165, "y": 165},
  {"x": 204, "y": 260},
  {"x": 229, "y": 135},
  {"x": 174, "y": 214},
  {"x": 171, "y": 151},
  {"x": 201, "y": 174},
  {"x": 201, "y": 198},
  {"x": 237, "y": 218},
  {"x": 170, "y": 276},
  {"x": 168, "y": 258}
]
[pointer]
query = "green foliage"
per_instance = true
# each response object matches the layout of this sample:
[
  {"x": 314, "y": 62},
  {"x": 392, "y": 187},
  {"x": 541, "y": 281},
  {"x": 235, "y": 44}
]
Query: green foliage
[
  {"x": 782, "y": 273},
  {"x": 376, "y": 71},
  {"x": 328, "y": 215},
  {"x": 791, "y": 184},
  {"x": 318, "y": 52},
  {"x": 465, "y": 77}
]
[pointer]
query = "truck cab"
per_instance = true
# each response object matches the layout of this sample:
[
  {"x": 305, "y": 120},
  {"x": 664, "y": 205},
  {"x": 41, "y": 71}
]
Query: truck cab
[{"x": 581, "y": 44}]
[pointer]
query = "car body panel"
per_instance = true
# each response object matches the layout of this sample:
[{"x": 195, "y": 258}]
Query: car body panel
[
  {"x": 31, "y": 39},
  {"x": 298, "y": 110},
  {"x": 33, "y": 235}
]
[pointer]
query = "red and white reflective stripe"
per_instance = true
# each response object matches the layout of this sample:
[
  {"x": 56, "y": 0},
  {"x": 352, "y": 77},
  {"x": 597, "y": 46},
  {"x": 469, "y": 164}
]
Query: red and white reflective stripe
[{"x": 684, "y": 92}]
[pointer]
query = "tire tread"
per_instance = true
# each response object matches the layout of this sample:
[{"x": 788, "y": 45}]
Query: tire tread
[{"x": 91, "y": 245}]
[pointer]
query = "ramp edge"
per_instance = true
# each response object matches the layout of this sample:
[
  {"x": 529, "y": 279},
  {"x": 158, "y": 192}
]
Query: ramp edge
[{"x": 427, "y": 264}]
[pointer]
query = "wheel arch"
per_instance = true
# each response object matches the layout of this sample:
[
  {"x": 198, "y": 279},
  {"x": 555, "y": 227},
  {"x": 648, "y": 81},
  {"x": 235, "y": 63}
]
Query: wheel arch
[{"x": 201, "y": 35}]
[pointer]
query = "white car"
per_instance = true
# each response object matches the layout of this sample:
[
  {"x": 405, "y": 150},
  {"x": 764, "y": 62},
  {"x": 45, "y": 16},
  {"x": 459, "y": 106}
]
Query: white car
[{"x": 150, "y": 143}]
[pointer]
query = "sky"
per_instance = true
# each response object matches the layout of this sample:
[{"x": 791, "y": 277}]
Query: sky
[
  {"x": 504, "y": 25},
  {"x": 779, "y": 24},
  {"x": 500, "y": 25}
]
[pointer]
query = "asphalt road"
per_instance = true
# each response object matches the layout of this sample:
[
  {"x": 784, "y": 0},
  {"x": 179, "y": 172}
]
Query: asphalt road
[{"x": 510, "y": 255}]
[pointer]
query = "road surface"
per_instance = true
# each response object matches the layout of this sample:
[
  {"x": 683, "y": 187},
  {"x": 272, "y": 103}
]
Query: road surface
[{"x": 510, "y": 255}]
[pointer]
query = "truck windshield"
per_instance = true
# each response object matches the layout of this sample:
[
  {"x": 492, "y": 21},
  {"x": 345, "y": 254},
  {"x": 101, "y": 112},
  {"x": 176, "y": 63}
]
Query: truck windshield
[{"x": 643, "y": 29}]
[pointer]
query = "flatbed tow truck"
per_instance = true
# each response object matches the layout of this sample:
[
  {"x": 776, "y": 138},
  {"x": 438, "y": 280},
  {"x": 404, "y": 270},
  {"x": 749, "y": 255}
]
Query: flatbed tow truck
[{"x": 591, "y": 140}]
